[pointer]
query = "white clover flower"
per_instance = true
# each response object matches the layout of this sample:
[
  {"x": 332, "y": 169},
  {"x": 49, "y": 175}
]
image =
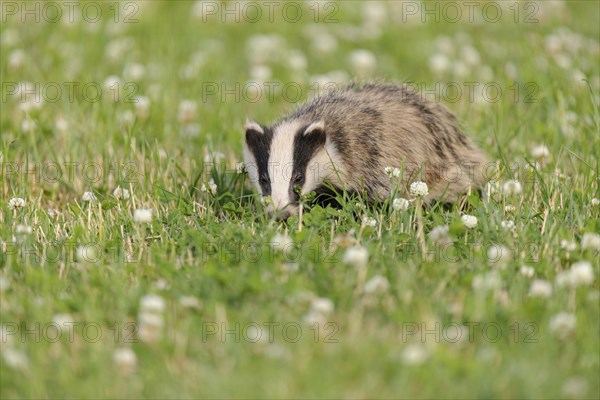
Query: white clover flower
[
  {"x": 152, "y": 303},
  {"x": 512, "y": 187},
  {"x": 325, "y": 43},
  {"x": 142, "y": 215},
  {"x": 575, "y": 388},
  {"x": 263, "y": 48},
  {"x": 595, "y": 202},
  {"x": 488, "y": 281},
  {"x": 568, "y": 245},
  {"x": 563, "y": 324},
  {"x": 281, "y": 242},
  {"x": 375, "y": 13},
  {"x": 187, "y": 111},
  {"x": 112, "y": 82},
  {"x": 368, "y": 221},
  {"x": 578, "y": 78},
  {"x": 322, "y": 305},
  {"x": 363, "y": 62},
  {"x": 357, "y": 256},
  {"x": 540, "y": 288},
  {"x": 190, "y": 130},
  {"x": 439, "y": 63},
  {"x": 439, "y": 234},
  {"x": 121, "y": 193},
  {"x": 360, "y": 206},
  {"x": 591, "y": 241},
  {"x": 150, "y": 327},
  {"x": 142, "y": 107},
  {"x": 392, "y": 172},
  {"x": 377, "y": 284},
  {"x": 190, "y": 302},
  {"x": 414, "y": 354},
  {"x": 134, "y": 72},
  {"x": 508, "y": 224},
  {"x": 212, "y": 187},
  {"x": 15, "y": 359},
  {"x": 470, "y": 221},
  {"x": 28, "y": 125},
  {"x": 4, "y": 285},
  {"x": 532, "y": 166},
  {"x": 563, "y": 278},
  {"x": 419, "y": 189},
  {"x": 214, "y": 156},
  {"x": 86, "y": 253},
  {"x": 559, "y": 174},
  {"x": 277, "y": 352},
  {"x": 126, "y": 118},
  {"x": 88, "y": 197},
  {"x": 63, "y": 321},
  {"x": 400, "y": 204},
  {"x": 541, "y": 153},
  {"x": 290, "y": 267},
  {"x": 23, "y": 229},
  {"x": 580, "y": 273},
  {"x": 460, "y": 69},
  {"x": 470, "y": 55},
  {"x": 54, "y": 213},
  {"x": 297, "y": 60},
  {"x": 254, "y": 334},
  {"x": 16, "y": 58},
  {"x": 125, "y": 359},
  {"x": 6, "y": 339},
  {"x": 161, "y": 284},
  {"x": 241, "y": 168},
  {"x": 61, "y": 124},
  {"x": 445, "y": 45},
  {"x": 313, "y": 317},
  {"x": 260, "y": 73},
  {"x": 150, "y": 318},
  {"x": 527, "y": 271},
  {"x": 510, "y": 209},
  {"x": 499, "y": 255},
  {"x": 16, "y": 203}
]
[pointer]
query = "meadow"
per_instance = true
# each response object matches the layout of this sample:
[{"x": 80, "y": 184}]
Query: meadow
[{"x": 136, "y": 260}]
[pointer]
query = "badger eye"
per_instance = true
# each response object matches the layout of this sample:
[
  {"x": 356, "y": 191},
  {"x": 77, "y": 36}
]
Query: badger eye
[
  {"x": 263, "y": 179},
  {"x": 298, "y": 179}
]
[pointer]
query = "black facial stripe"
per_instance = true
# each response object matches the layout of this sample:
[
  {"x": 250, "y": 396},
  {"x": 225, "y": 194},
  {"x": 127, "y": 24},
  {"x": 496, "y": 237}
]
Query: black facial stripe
[
  {"x": 260, "y": 146},
  {"x": 305, "y": 147}
]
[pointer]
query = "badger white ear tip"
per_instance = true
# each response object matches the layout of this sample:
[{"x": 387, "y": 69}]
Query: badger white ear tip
[
  {"x": 254, "y": 126},
  {"x": 318, "y": 125}
]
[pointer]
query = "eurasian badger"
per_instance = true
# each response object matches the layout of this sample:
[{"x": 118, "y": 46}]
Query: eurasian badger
[{"x": 346, "y": 138}]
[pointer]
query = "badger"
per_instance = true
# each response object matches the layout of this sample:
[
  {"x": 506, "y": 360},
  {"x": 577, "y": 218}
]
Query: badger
[{"x": 345, "y": 139}]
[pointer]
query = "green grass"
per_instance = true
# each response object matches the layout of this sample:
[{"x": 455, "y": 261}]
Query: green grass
[{"x": 211, "y": 257}]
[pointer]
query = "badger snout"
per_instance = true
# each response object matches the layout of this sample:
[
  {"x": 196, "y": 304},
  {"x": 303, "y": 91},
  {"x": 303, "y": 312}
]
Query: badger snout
[{"x": 282, "y": 213}]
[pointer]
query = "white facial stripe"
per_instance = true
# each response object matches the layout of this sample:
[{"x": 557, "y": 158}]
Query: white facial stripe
[
  {"x": 251, "y": 167},
  {"x": 281, "y": 162}
]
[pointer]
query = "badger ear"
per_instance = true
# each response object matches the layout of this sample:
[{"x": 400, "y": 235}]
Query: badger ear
[
  {"x": 253, "y": 130},
  {"x": 253, "y": 126},
  {"x": 315, "y": 129}
]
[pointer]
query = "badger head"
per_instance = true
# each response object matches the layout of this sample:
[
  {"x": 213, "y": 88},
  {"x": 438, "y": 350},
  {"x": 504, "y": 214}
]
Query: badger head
[{"x": 287, "y": 160}]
